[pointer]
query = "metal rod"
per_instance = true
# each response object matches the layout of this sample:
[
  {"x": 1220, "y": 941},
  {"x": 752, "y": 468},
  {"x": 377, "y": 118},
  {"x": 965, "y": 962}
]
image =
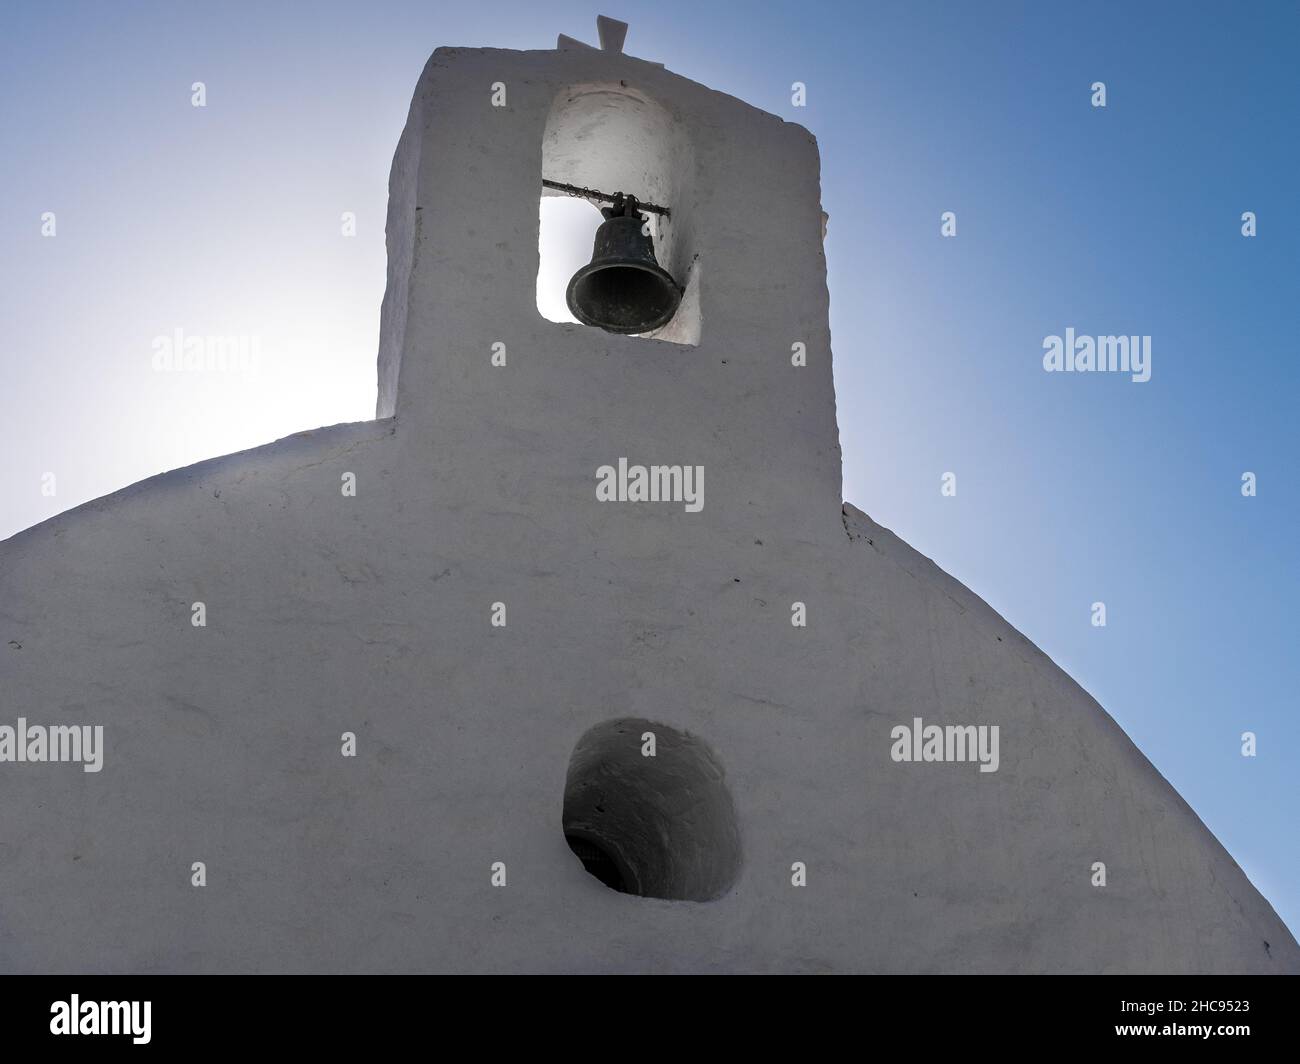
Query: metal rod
[{"x": 591, "y": 193}]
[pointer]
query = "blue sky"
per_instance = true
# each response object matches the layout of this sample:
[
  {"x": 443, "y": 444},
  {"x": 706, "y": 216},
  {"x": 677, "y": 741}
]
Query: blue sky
[{"x": 224, "y": 220}]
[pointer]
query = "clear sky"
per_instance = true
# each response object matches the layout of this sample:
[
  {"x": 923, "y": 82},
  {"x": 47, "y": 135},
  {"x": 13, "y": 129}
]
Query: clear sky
[{"x": 225, "y": 221}]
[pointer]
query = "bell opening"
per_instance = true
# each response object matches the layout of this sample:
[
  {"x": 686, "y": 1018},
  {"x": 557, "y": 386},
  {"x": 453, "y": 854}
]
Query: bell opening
[
  {"x": 612, "y": 137},
  {"x": 624, "y": 299}
]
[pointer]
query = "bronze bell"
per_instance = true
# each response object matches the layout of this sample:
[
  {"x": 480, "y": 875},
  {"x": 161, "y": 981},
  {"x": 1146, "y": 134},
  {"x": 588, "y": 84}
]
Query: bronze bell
[{"x": 623, "y": 289}]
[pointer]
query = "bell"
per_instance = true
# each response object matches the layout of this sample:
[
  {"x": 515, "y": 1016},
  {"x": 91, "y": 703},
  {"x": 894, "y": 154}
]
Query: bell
[{"x": 623, "y": 289}]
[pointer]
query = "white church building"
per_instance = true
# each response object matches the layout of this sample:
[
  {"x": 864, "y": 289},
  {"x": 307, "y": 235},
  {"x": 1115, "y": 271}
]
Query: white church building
[{"x": 574, "y": 658}]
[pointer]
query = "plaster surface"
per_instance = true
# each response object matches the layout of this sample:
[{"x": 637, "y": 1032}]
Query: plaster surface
[{"x": 476, "y": 485}]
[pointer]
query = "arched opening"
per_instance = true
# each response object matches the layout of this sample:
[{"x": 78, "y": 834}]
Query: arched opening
[
  {"x": 659, "y": 827},
  {"x": 613, "y": 139}
]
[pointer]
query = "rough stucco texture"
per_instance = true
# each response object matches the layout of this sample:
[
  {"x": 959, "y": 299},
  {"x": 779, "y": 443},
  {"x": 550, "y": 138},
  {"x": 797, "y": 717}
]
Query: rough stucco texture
[{"x": 371, "y": 614}]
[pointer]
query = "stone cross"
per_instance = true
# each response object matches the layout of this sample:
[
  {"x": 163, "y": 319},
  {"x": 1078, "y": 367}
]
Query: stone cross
[{"x": 612, "y": 35}]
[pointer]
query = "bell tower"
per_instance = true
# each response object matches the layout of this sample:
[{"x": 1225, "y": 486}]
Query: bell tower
[{"x": 737, "y": 379}]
